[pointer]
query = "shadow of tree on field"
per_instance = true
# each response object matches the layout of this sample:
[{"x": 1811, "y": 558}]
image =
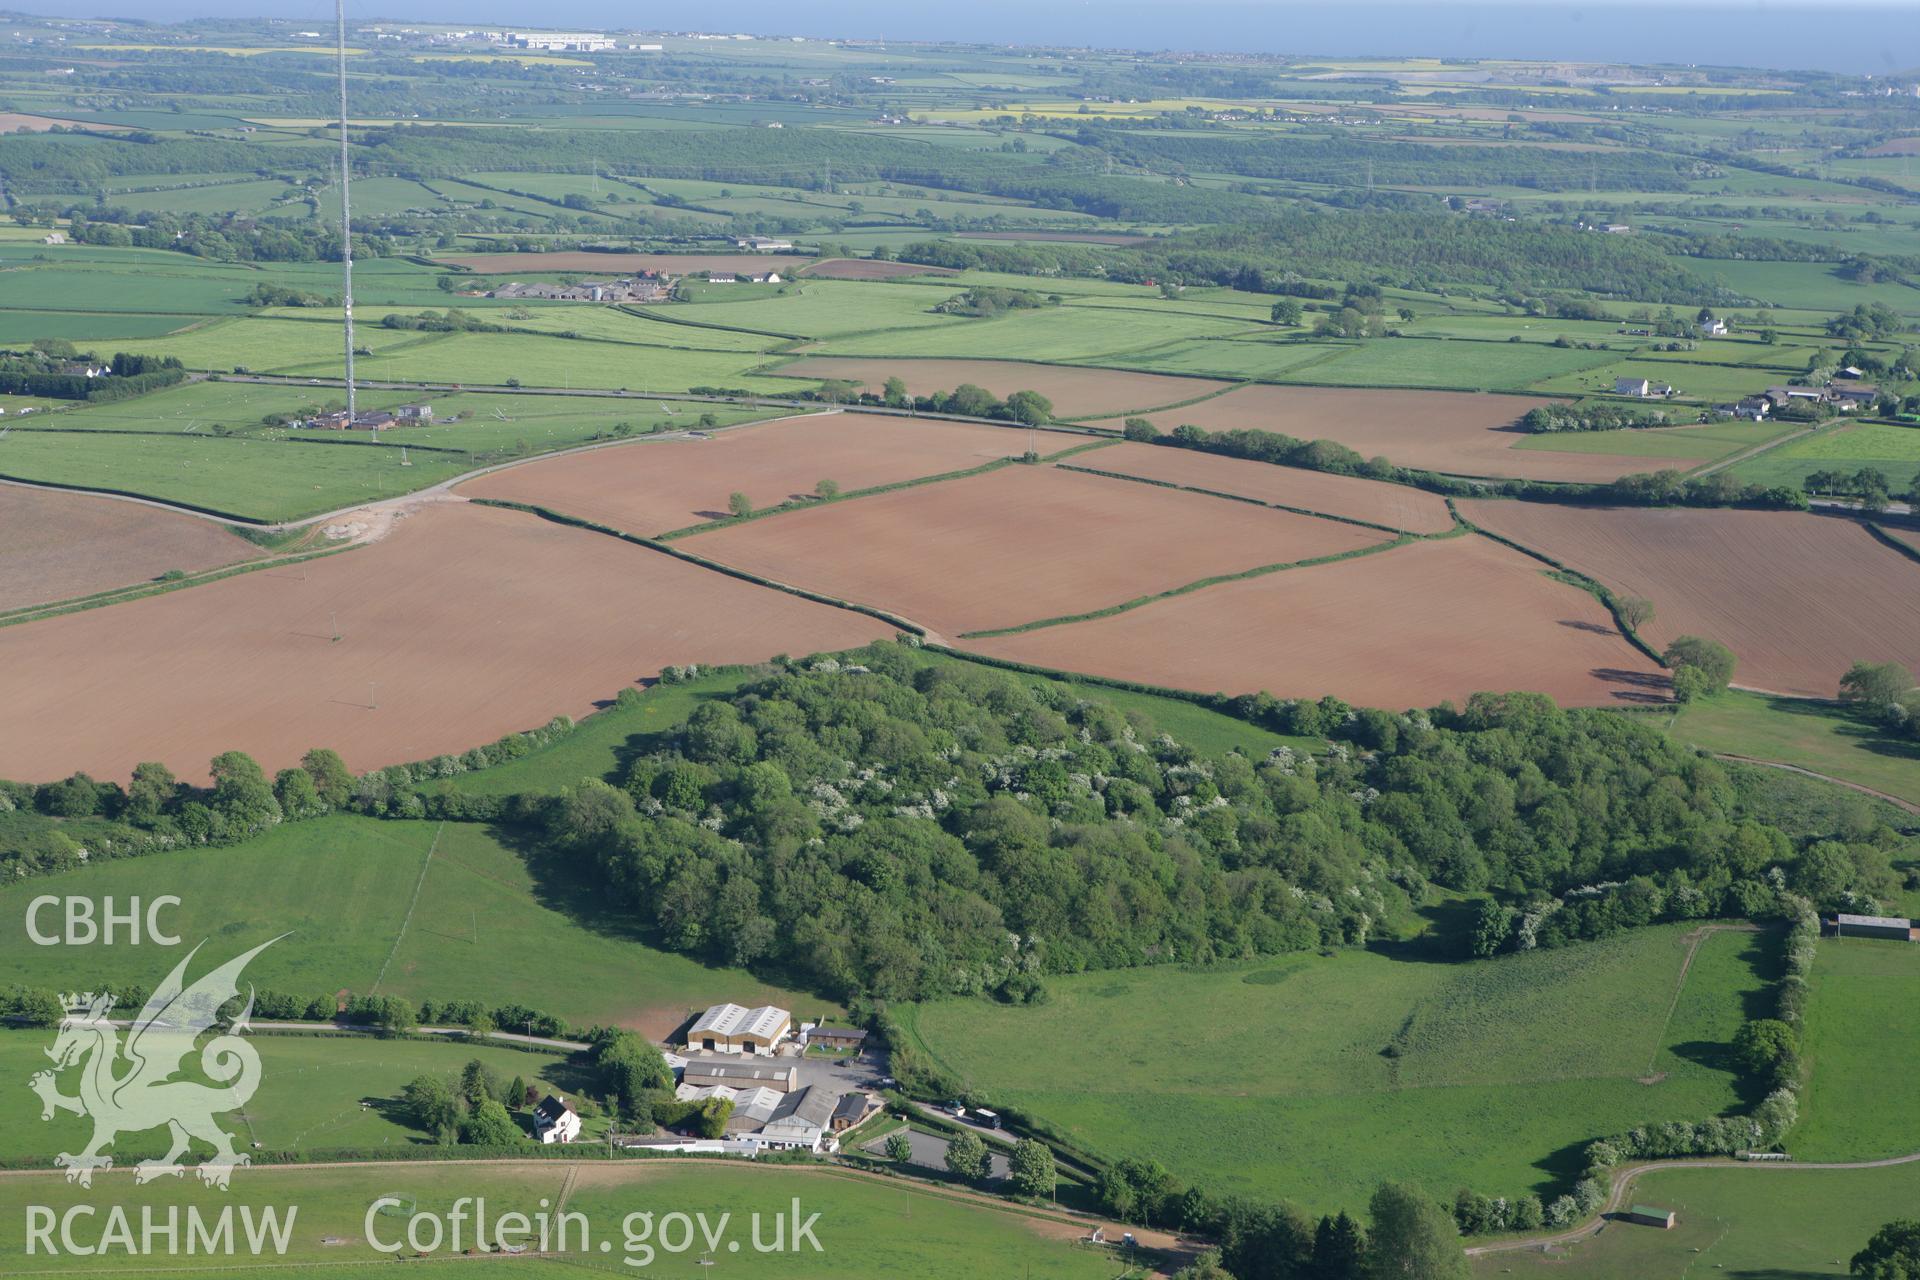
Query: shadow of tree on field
[
  {"x": 1856, "y": 728},
  {"x": 1636, "y": 686}
]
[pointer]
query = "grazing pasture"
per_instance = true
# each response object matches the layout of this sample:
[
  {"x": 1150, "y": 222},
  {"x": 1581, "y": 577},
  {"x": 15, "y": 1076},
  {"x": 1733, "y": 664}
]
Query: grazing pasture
[
  {"x": 670, "y": 484},
  {"x": 487, "y": 925},
  {"x": 1894, "y": 451},
  {"x": 1820, "y": 736},
  {"x": 1275, "y": 1078},
  {"x": 55, "y": 546},
  {"x": 1075, "y": 393},
  {"x": 1456, "y": 432},
  {"x": 1863, "y": 1012},
  {"x": 1464, "y": 365},
  {"x": 868, "y": 1229},
  {"x": 1797, "y": 597},
  {"x": 1018, "y": 545},
  {"x": 1405, "y": 628},
  {"x": 869, "y": 269},
  {"x": 546, "y": 619},
  {"x": 1398, "y": 506},
  {"x": 1764, "y": 1220},
  {"x": 1085, "y": 330}
]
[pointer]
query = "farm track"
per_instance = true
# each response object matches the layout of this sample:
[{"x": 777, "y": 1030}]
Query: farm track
[
  {"x": 1906, "y": 805},
  {"x": 1765, "y": 446},
  {"x": 1622, "y": 1186}
]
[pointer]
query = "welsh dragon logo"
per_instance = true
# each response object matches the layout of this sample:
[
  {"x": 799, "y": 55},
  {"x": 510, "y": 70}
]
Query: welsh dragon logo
[{"x": 146, "y": 1092}]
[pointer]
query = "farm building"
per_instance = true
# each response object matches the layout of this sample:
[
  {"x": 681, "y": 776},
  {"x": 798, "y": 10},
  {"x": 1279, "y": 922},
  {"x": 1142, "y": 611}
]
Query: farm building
[
  {"x": 555, "y": 1121},
  {"x": 802, "y": 1122},
  {"x": 729, "y": 1028},
  {"x": 763, "y": 244},
  {"x": 740, "y": 1075},
  {"x": 1898, "y": 928},
  {"x": 1648, "y": 1216},
  {"x": 837, "y": 1038},
  {"x": 1642, "y": 388},
  {"x": 852, "y": 1109}
]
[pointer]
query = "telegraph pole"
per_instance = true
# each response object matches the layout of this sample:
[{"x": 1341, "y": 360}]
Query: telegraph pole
[{"x": 346, "y": 208}]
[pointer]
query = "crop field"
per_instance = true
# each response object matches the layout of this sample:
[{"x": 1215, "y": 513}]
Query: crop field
[
  {"x": 488, "y": 924},
  {"x": 1086, "y": 332},
  {"x": 1811, "y": 735},
  {"x": 1397, "y": 506},
  {"x": 1019, "y": 545},
  {"x": 1863, "y": 1008},
  {"x": 671, "y": 484},
  {"x": 1470, "y": 615},
  {"x": 1457, "y": 365},
  {"x": 820, "y": 308},
  {"x": 1501, "y": 1068},
  {"x": 1797, "y": 597},
  {"x": 458, "y": 598},
  {"x": 868, "y": 269},
  {"x": 1447, "y": 431},
  {"x": 490, "y": 359},
  {"x": 868, "y": 1229},
  {"x": 1776, "y": 1221},
  {"x": 1076, "y": 393},
  {"x": 55, "y": 546}
]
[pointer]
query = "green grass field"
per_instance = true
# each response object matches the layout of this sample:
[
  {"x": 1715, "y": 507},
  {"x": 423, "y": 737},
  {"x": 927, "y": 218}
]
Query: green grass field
[
  {"x": 311, "y": 1095},
  {"x": 1817, "y": 736},
  {"x": 1761, "y": 1222},
  {"x": 1275, "y": 1078},
  {"x": 1453, "y": 365},
  {"x": 1083, "y": 332},
  {"x": 867, "y": 1229},
  {"x": 1696, "y": 444},
  {"x": 485, "y": 926},
  {"x": 1863, "y": 1012},
  {"x": 1892, "y": 450}
]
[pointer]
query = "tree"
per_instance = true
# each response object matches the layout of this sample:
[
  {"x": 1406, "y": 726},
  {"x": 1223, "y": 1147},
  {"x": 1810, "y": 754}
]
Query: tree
[
  {"x": 1030, "y": 408},
  {"x": 1410, "y": 1237},
  {"x": 1492, "y": 926},
  {"x": 149, "y": 792},
  {"x": 1286, "y": 311},
  {"x": 1032, "y": 1167},
  {"x": 967, "y": 1157},
  {"x": 1635, "y": 611},
  {"x": 1761, "y": 1042},
  {"x": 517, "y": 1093},
  {"x": 827, "y": 489},
  {"x": 1713, "y": 660},
  {"x": 295, "y": 791},
  {"x": 894, "y": 392},
  {"x": 1140, "y": 429},
  {"x": 489, "y": 1125},
  {"x": 1892, "y": 1254},
  {"x": 899, "y": 1150},
  {"x": 241, "y": 793},
  {"x": 432, "y": 1107},
  {"x": 1339, "y": 1249},
  {"x": 1205, "y": 1267},
  {"x": 330, "y": 776},
  {"x": 1875, "y": 685},
  {"x": 740, "y": 504}
]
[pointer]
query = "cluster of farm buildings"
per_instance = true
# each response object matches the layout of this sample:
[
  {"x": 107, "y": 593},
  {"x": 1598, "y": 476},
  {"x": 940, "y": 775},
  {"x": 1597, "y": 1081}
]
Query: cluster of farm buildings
[
  {"x": 1845, "y": 394},
  {"x": 757, "y": 1060},
  {"x": 646, "y": 286},
  {"x": 406, "y": 415}
]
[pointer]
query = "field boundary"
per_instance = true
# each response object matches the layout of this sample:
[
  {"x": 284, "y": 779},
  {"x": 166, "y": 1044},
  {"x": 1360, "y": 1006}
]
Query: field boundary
[
  {"x": 1200, "y": 584},
  {"x": 1261, "y": 502},
  {"x": 139, "y": 591},
  {"x": 652, "y": 544},
  {"x": 1879, "y": 534},
  {"x": 426, "y": 864}
]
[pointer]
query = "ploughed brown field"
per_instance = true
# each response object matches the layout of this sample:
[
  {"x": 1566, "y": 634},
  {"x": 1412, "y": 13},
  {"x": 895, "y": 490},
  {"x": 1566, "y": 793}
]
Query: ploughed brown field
[
  {"x": 469, "y": 622},
  {"x": 56, "y": 546},
  {"x": 868, "y": 269},
  {"x": 1076, "y": 393},
  {"x": 657, "y": 485},
  {"x": 614, "y": 264},
  {"x": 1395, "y": 505},
  {"x": 1405, "y": 628},
  {"x": 1906, "y": 537},
  {"x": 1459, "y": 432},
  {"x": 1018, "y": 545},
  {"x": 1797, "y": 597}
]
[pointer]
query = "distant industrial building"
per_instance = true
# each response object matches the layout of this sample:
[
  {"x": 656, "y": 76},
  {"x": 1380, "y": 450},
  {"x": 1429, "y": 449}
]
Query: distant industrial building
[{"x": 559, "y": 41}]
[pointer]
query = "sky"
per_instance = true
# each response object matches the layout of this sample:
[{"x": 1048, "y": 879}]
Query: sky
[{"x": 1867, "y": 36}]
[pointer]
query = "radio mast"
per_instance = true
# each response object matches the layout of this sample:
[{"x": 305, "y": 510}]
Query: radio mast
[{"x": 346, "y": 208}]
